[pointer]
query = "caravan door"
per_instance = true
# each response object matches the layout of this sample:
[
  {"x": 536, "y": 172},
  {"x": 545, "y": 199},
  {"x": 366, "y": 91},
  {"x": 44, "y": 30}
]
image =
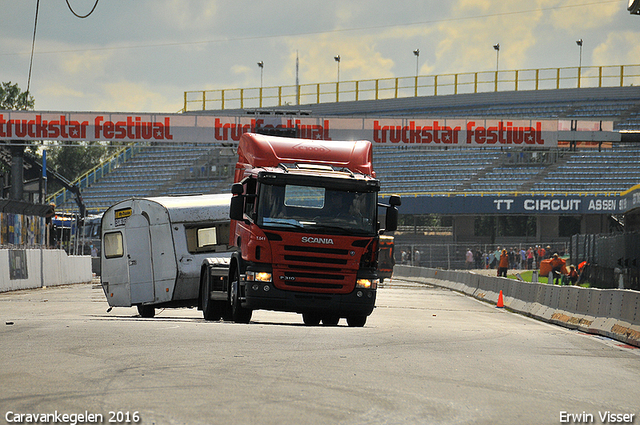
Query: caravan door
[{"x": 139, "y": 259}]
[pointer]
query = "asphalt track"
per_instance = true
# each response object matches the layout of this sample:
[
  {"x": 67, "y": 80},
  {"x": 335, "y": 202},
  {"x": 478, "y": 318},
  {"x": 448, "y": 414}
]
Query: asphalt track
[{"x": 426, "y": 356}]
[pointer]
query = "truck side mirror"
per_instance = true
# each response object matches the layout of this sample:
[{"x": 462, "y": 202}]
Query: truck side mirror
[
  {"x": 237, "y": 189},
  {"x": 395, "y": 200},
  {"x": 236, "y": 211},
  {"x": 391, "y": 220}
]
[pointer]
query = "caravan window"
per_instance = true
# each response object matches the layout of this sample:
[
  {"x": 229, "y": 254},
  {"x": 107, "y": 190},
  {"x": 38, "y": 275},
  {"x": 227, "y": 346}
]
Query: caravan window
[
  {"x": 208, "y": 238},
  {"x": 113, "y": 246}
]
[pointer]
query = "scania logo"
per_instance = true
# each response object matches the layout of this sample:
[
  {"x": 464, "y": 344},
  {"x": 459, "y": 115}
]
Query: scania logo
[
  {"x": 324, "y": 241},
  {"x": 311, "y": 147}
]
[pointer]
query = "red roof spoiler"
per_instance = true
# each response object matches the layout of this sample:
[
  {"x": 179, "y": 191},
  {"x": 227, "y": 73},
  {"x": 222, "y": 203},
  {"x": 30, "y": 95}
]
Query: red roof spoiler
[{"x": 259, "y": 150}]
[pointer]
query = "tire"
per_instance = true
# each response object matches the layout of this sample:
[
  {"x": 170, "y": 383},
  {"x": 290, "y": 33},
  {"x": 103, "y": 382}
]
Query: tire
[
  {"x": 356, "y": 321},
  {"x": 146, "y": 311},
  {"x": 239, "y": 314},
  {"x": 211, "y": 310},
  {"x": 311, "y": 319},
  {"x": 330, "y": 320}
]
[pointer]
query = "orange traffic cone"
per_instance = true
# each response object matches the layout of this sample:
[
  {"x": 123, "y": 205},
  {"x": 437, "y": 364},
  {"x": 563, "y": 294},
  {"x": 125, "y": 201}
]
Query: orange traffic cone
[{"x": 500, "y": 301}]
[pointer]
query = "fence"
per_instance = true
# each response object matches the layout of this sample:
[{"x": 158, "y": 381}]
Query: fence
[
  {"x": 452, "y": 256},
  {"x": 423, "y": 85},
  {"x": 612, "y": 260}
]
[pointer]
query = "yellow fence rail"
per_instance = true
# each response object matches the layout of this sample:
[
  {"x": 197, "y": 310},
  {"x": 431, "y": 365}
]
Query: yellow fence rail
[{"x": 422, "y": 85}]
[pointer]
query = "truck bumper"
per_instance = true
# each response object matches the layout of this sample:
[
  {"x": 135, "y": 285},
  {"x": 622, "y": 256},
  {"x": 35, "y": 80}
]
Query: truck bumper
[{"x": 265, "y": 296}]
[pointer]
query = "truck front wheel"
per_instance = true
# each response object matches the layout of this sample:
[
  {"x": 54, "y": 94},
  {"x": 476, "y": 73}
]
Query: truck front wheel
[
  {"x": 331, "y": 320},
  {"x": 239, "y": 314},
  {"x": 311, "y": 319},
  {"x": 211, "y": 310},
  {"x": 356, "y": 321}
]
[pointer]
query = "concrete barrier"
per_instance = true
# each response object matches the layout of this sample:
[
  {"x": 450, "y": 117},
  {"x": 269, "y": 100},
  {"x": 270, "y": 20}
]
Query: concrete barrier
[
  {"x": 35, "y": 268},
  {"x": 614, "y": 313}
]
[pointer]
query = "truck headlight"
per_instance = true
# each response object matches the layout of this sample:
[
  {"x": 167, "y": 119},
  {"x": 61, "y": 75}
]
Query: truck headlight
[
  {"x": 258, "y": 276},
  {"x": 367, "y": 283}
]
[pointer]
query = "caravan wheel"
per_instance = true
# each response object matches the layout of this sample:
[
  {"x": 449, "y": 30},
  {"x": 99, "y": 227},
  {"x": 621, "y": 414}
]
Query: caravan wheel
[{"x": 146, "y": 311}]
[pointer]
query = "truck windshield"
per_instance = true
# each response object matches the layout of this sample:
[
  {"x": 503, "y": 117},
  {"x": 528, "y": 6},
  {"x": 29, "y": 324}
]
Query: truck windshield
[{"x": 317, "y": 209}]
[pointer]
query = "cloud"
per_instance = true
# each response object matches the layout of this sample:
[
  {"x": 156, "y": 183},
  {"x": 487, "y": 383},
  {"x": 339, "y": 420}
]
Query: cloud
[
  {"x": 467, "y": 45},
  {"x": 619, "y": 48},
  {"x": 580, "y": 19},
  {"x": 214, "y": 44},
  {"x": 131, "y": 97},
  {"x": 186, "y": 15},
  {"x": 359, "y": 58}
]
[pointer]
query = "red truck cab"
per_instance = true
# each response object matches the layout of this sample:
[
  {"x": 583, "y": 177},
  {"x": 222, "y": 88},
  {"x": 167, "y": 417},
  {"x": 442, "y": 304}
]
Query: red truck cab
[{"x": 304, "y": 219}]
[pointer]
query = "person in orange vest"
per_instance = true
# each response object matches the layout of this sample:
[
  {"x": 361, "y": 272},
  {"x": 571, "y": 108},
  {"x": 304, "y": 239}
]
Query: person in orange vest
[
  {"x": 504, "y": 263},
  {"x": 573, "y": 274},
  {"x": 556, "y": 268},
  {"x": 542, "y": 254}
]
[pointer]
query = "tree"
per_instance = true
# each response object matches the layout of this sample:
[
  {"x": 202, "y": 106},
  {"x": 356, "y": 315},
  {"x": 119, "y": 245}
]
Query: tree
[
  {"x": 71, "y": 159},
  {"x": 75, "y": 158},
  {"x": 11, "y": 97}
]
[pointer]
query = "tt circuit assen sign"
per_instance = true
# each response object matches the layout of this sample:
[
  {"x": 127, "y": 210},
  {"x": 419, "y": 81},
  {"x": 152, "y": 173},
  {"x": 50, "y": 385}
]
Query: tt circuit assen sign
[
  {"x": 521, "y": 204},
  {"x": 192, "y": 128}
]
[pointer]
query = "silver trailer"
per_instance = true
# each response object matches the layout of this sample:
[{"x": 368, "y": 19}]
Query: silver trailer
[{"x": 153, "y": 250}]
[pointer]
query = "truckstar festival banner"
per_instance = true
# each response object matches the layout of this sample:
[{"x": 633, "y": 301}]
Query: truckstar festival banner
[{"x": 193, "y": 128}]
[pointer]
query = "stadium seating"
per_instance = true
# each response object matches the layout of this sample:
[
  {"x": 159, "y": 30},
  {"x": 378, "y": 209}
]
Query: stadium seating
[{"x": 156, "y": 171}]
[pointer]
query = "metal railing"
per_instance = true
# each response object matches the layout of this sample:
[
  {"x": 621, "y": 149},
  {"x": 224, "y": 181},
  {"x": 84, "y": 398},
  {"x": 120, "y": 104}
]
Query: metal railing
[{"x": 423, "y": 85}]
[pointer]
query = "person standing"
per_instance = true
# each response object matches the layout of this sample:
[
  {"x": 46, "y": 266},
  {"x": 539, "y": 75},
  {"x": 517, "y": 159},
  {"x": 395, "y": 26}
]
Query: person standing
[
  {"x": 469, "y": 259},
  {"x": 478, "y": 259},
  {"x": 573, "y": 275},
  {"x": 496, "y": 256},
  {"x": 491, "y": 259},
  {"x": 503, "y": 265},
  {"x": 530, "y": 257},
  {"x": 557, "y": 265}
]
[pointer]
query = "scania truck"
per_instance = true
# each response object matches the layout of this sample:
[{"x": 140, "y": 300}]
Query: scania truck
[{"x": 304, "y": 223}]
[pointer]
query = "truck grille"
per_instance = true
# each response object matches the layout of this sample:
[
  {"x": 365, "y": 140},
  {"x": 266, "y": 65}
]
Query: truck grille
[{"x": 315, "y": 269}]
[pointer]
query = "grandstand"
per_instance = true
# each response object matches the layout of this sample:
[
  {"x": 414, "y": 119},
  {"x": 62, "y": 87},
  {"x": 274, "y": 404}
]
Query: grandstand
[
  {"x": 460, "y": 182},
  {"x": 179, "y": 169},
  {"x": 161, "y": 170},
  {"x": 416, "y": 169}
]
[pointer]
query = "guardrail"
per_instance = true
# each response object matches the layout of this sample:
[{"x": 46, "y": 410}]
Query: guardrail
[
  {"x": 422, "y": 85},
  {"x": 96, "y": 173},
  {"x": 614, "y": 313}
]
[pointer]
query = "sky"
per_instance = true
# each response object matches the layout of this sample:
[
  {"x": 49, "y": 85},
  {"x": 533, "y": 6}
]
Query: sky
[{"x": 142, "y": 55}]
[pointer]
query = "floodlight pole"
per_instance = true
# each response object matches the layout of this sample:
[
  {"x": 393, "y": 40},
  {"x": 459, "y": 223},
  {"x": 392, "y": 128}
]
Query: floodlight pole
[
  {"x": 261, "y": 66},
  {"x": 497, "y": 49},
  {"x": 337, "y": 59},
  {"x": 417, "y": 54}
]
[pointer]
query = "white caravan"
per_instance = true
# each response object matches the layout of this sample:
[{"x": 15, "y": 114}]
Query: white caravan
[{"x": 153, "y": 249}]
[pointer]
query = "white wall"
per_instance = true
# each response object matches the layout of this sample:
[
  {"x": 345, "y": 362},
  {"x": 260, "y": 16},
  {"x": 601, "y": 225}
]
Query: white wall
[
  {"x": 614, "y": 313},
  {"x": 45, "y": 267}
]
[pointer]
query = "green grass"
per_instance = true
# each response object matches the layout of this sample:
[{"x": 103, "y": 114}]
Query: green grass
[{"x": 528, "y": 274}]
